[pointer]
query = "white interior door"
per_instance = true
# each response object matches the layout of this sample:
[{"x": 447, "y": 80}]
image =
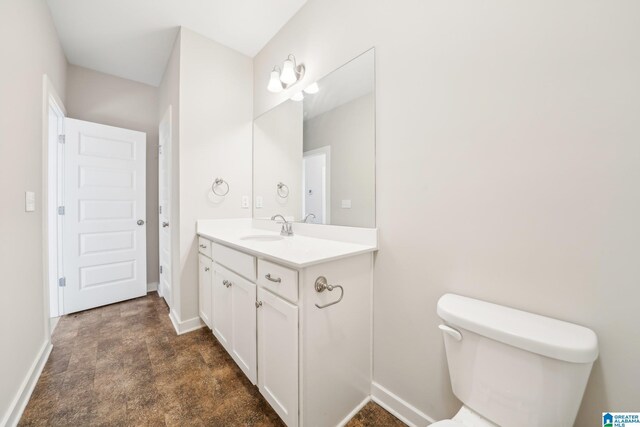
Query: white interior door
[
  {"x": 104, "y": 243},
  {"x": 164, "y": 209}
]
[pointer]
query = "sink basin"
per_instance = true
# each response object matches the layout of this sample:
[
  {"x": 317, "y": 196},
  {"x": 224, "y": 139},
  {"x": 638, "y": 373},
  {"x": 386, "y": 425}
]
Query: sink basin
[{"x": 262, "y": 238}]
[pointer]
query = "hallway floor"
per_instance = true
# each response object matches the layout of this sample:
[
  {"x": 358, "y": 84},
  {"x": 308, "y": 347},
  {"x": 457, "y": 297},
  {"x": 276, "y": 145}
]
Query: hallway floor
[{"x": 123, "y": 364}]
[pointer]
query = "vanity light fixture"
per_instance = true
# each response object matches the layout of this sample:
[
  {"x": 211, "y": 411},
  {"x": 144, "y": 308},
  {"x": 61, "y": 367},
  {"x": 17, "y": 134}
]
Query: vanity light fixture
[
  {"x": 275, "y": 85},
  {"x": 312, "y": 88},
  {"x": 290, "y": 74},
  {"x": 298, "y": 96}
]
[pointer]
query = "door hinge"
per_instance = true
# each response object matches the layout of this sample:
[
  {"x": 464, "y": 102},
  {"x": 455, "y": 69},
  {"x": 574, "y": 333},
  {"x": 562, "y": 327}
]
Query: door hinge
[
  {"x": 62, "y": 282},
  {"x": 60, "y": 210},
  {"x": 160, "y": 269},
  {"x": 62, "y": 139},
  {"x": 159, "y": 149},
  {"x": 159, "y": 209}
]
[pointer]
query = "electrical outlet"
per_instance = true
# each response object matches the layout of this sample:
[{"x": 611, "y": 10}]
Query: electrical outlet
[
  {"x": 258, "y": 202},
  {"x": 245, "y": 202},
  {"x": 346, "y": 204}
]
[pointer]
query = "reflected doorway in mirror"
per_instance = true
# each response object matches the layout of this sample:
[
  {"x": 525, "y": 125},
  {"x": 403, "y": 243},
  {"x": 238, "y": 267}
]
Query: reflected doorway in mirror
[{"x": 316, "y": 175}]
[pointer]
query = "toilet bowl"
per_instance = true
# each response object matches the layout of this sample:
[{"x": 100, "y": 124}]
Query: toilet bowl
[
  {"x": 513, "y": 368},
  {"x": 465, "y": 418}
]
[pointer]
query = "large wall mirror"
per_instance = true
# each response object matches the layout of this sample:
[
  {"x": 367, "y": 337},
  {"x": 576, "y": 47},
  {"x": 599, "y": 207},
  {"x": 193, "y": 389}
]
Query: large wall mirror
[{"x": 314, "y": 158}]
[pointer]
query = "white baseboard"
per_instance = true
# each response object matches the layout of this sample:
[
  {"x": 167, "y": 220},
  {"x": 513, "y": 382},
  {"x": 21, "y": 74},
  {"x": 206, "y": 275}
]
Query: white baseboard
[
  {"x": 184, "y": 326},
  {"x": 11, "y": 418},
  {"x": 151, "y": 287},
  {"x": 402, "y": 410},
  {"x": 354, "y": 412}
]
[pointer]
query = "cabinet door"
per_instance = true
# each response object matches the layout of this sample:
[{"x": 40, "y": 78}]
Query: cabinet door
[
  {"x": 243, "y": 329},
  {"x": 204, "y": 289},
  {"x": 222, "y": 308},
  {"x": 278, "y": 355}
]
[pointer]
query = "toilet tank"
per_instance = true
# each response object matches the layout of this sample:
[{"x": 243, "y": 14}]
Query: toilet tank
[{"x": 513, "y": 367}]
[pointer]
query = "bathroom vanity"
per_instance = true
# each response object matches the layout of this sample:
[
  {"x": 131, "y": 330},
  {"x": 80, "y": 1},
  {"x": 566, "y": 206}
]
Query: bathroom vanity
[
  {"x": 292, "y": 304},
  {"x": 293, "y": 312}
]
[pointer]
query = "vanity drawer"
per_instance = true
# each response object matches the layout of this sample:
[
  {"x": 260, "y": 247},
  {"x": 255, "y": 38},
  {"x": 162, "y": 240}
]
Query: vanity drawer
[
  {"x": 239, "y": 262},
  {"x": 204, "y": 246},
  {"x": 280, "y": 280}
]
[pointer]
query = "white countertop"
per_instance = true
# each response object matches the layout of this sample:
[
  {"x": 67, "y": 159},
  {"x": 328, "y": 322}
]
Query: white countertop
[{"x": 296, "y": 251}]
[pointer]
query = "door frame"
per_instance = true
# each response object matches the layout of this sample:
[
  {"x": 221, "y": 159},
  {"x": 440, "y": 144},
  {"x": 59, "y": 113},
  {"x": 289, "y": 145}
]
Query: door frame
[
  {"x": 167, "y": 152},
  {"x": 50, "y": 242},
  {"x": 326, "y": 152}
]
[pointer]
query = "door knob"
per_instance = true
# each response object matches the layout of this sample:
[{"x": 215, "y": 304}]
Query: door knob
[
  {"x": 165, "y": 224},
  {"x": 140, "y": 222}
]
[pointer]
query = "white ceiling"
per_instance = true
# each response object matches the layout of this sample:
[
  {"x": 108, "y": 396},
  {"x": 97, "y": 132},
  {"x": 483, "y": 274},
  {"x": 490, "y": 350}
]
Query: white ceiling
[{"x": 133, "y": 38}]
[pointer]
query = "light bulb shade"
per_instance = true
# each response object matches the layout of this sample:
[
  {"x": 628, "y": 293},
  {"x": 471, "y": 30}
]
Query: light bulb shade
[
  {"x": 274, "y": 82},
  {"x": 288, "y": 75},
  {"x": 312, "y": 88},
  {"x": 298, "y": 96}
]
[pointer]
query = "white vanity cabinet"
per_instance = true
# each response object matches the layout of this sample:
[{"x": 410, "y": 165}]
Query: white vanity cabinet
[
  {"x": 239, "y": 312},
  {"x": 222, "y": 321},
  {"x": 205, "y": 277},
  {"x": 307, "y": 348},
  {"x": 278, "y": 354}
]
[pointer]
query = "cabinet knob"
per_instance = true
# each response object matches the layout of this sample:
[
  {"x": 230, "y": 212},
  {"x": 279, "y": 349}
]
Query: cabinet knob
[
  {"x": 258, "y": 304},
  {"x": 206, "y": 269},
  {"x": 203, "y": 246}
]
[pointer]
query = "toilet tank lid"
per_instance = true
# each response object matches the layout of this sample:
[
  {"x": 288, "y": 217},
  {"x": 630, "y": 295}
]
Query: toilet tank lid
[{"x": 532, "y": 332}]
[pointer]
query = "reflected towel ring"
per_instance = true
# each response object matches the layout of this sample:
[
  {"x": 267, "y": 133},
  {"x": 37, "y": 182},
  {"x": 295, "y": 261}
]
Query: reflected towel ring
[
  {"x": 216, "y": 184},
  {"x": 283, "y": 190}
]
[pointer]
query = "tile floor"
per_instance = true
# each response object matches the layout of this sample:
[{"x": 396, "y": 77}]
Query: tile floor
[{"x": 124, "y": 365}]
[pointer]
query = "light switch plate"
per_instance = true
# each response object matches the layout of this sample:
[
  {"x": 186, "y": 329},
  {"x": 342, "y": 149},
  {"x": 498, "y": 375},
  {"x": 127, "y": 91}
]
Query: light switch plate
[
  {"x": 346, "y": 204},
  {"x": 245, "y": 202},
  {"x": 258, "y": 202},
  {"x": 29, "y": 201}
]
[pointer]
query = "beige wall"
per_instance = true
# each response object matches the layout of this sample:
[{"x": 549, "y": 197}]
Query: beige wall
[
  {"x": 277, "y": 157},
  {"x": 23, "y": 330},
  {"x": 508, "y": 166},
  {"x": 350, "y": 131},
  {"x": 215, "y": 141},
  {"x": 102, "y": 98},
  {"x": 169, "y": 96}
]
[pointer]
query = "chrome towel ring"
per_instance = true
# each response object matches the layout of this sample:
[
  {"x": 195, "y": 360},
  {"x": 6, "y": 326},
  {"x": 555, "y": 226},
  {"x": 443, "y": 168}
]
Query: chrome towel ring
[
  {"x": 217, "y": 183},
  {"x": 283, "y": 190},
  {"x": 322, "y": 284}
]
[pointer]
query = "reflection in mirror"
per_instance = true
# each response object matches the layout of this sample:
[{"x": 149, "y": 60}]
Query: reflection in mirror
[{"x": 314, "y": 155}]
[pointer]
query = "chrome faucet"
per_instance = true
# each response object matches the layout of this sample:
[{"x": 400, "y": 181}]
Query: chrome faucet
[
  {"x": 307, "y": 217},
  {"x": 287, "y": 229}
]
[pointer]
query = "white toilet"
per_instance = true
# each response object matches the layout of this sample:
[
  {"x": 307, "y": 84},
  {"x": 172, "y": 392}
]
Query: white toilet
[{"x": 513, "y": 368}]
